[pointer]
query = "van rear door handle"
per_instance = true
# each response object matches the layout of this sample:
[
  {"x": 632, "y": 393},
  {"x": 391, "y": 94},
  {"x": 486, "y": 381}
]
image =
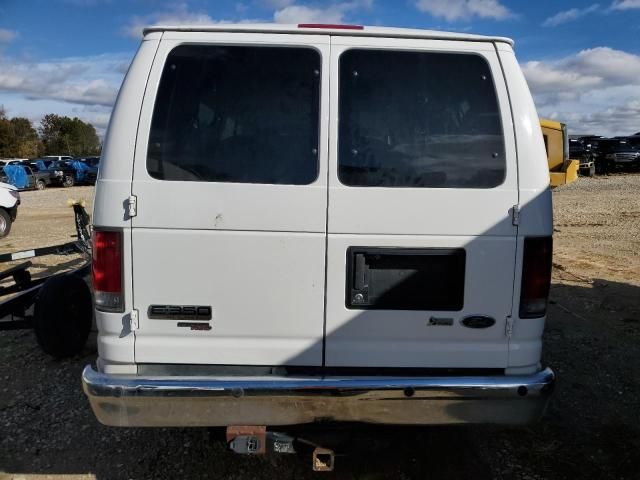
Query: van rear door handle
[{"x": 361, "y": 273}]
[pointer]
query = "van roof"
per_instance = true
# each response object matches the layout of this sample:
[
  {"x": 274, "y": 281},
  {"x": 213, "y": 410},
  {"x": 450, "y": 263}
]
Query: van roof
[{"x": 328, "y": 29}]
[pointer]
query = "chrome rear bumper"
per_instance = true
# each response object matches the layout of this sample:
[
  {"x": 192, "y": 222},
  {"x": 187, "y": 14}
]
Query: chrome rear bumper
[{"x": 128, "y": 400}]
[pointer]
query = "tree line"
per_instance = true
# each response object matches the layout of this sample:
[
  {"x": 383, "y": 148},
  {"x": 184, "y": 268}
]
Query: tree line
[{"x": 56, "y": 135}]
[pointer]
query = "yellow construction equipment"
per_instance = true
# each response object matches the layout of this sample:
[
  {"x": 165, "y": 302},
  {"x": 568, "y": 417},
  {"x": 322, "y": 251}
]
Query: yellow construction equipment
[{"x": 562, "y": 170}]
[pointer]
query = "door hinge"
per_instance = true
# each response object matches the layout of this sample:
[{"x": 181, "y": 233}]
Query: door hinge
[
  {"x": 133, "y": 320},
  {"x": 515, "y": 215},
  {"x": 509, "y": 326},
  {"x": 132, "y": 206}
]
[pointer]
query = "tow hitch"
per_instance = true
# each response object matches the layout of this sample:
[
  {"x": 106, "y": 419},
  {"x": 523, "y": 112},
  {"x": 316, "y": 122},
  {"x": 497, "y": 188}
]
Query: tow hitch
[
  {"x": 256, "y": 440},
  {"x": 323, "y": 459}
]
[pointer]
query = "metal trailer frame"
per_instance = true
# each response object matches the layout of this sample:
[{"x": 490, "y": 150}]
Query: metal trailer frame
[{"x": 24, "y": 290}]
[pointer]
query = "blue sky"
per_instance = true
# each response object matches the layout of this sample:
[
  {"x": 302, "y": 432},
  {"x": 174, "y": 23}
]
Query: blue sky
[{"x": 581, "y": 58}]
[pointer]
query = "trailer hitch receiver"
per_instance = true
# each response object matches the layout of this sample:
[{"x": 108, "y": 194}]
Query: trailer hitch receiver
[{"x": 323, "y": 460}]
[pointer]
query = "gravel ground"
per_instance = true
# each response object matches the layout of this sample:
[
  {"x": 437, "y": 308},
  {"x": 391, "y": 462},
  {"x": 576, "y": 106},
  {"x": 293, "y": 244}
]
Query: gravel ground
[
  {"x": 592, "y": 340},
  {"x": 597, "y": 226}
]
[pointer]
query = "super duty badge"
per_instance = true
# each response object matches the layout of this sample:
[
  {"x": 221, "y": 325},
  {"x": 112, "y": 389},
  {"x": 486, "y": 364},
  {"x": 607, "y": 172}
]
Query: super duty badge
[{"x": 180, "y": 312}]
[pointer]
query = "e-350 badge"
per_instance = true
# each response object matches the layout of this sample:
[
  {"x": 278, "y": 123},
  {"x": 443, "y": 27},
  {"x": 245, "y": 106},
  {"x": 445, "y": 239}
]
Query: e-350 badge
[{"x": 180, "y": 312}]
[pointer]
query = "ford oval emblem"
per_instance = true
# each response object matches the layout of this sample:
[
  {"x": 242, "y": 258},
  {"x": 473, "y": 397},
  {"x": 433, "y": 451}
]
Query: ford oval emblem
[{"x": 478, "y": 321}]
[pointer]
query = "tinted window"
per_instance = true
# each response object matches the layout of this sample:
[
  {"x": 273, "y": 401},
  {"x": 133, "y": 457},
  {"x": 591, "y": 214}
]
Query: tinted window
[
  {"x": 416, "y": 119},
  {"x": 237, "y": 114}
]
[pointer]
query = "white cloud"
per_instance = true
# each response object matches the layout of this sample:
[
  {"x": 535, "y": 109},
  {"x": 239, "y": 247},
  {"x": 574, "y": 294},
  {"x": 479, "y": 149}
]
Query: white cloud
[
  {"x": 334, "y": 13},
  {"x": 286, "y": 11},
  {"x": 6, "y": 36},
  {"x": 607, "y": 121},
  {"x": 625, "y": 4},
  {"x": 569, "y": 15},
  {"x": 98, "y": 117},
  {"x": 177, "y": 15},
  {"x": 592, "y": 68},
  {"x": 304, "y": 14},
  {"x": 596, "y": 90},
  {"x": 85, "y": 87},
  {"x": 83, "y": 81},
  {"x": 453, "y": 10}
]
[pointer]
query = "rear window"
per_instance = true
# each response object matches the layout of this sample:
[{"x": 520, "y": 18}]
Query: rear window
[
  {"x": 418, "y": 119},
  {"x": 237, "y": 114}
]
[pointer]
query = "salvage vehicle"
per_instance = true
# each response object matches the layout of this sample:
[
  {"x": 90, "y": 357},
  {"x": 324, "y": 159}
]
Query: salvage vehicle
[
  {"x": 298, "y": 224},
  {"x": 60, "y": 172},
  {"x": 59, "y": 157},
  {"x": 562, "y": 169},
  {"x": 580, "y": 151},
  {"x": 94, "y": 164},
  {"x": 38, "y": 179},
  {"x": 590, "y": 143},
  {"x": 634, "y": 140},
  {"x": 624, "y": 154},
  {"x": 86, "y": 169},
  {"x": 600, "y": 148},
  {"x": 25, "y": 176},
  {"x": 9, "y": 202}
]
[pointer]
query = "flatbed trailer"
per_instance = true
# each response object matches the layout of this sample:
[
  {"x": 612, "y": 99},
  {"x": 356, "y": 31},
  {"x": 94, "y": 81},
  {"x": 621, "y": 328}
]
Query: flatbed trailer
[{"x": 62, "y": 309}]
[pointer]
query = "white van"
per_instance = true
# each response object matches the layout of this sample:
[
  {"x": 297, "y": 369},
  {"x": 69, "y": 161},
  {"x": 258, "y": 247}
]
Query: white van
[{"x": 321, "y": 222}]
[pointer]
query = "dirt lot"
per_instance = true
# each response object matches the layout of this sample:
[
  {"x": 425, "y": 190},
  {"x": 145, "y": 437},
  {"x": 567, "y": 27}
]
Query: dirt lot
[{"x": 591, "y": 429}]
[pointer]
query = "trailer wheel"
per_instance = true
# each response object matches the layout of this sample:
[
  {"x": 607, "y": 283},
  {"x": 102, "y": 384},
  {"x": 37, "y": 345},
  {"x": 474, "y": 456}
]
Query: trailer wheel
[
  {"x": 5, "y": 223},
  {"x": 63, "y": 315}
]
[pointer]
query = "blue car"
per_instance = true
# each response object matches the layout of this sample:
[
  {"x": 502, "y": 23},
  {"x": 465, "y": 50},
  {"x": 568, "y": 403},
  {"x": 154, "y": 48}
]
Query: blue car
[{"x": 86, "y": 169}]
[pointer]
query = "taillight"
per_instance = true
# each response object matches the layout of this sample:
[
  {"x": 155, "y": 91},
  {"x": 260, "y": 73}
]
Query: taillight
[
  {"x": 107, "y": 270},
  {"x": 536, "y": 276}
]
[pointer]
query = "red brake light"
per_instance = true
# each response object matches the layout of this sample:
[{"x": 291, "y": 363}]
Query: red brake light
[
  {"x": 331, "y": 26},
  {"x": 536, "y": 276},
  {"x": 106, "y": 270}
]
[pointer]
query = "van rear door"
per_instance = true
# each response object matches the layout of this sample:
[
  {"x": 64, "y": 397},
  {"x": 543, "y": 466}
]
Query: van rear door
[
  {"x": 422, "y": 185},
  {"x": 230, "y": 177}
]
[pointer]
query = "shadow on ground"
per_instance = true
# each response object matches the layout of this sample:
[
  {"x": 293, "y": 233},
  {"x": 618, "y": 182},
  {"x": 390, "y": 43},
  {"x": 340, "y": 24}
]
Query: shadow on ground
[{"x": 590, "y": 430}]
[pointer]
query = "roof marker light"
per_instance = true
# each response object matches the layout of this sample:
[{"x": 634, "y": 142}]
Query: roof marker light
[{"x": 331, "y": 26}]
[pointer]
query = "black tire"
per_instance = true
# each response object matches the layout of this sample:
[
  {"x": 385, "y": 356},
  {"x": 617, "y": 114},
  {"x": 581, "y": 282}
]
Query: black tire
[
  {"x": 592, "y": 171},
  {"x": 599, "y": 168},
  {"x": 68, "y": 181},
  {"x": 5, "y": 223},
  {"x": 40, "y": 185},
  {"x": 63, "y": 315}
]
